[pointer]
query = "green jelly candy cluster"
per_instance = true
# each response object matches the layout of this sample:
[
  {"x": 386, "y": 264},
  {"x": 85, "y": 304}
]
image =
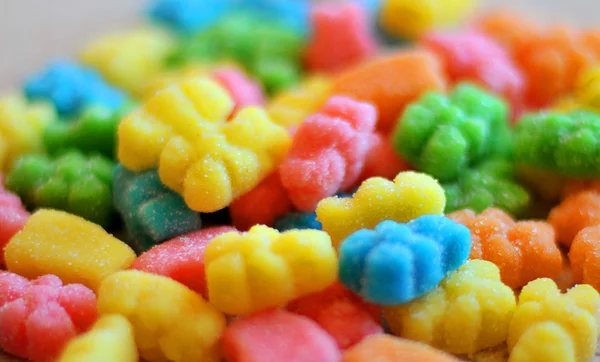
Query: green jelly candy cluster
[
  {"x": 72, "y": 182},
  {"x": 568, "y": 144},
  {"x": 492, "y": 183},
  {"x": 95, "y": 131},
  {"x": 443, "y": 135},
  {"x": 269, "y": 50}
]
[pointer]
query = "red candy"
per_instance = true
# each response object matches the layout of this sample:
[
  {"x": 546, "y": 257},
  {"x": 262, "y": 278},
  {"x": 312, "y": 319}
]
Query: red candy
[
  {"x": 38, "y": 318},
  {"x": 472, "y": 56},
  {"x": 341, "y": 37},
  {"x": 244, "y": 91},
  {"x": 181, "y": 258},
  {"x": 346, "y": 317},
  {"x": 263, "y": 205},
  {"x": 277, "y": 336},
  {"x": 328, "y": 152},
  {"x": 12, "y": 218},
  {"x": 382, "y": 160}
]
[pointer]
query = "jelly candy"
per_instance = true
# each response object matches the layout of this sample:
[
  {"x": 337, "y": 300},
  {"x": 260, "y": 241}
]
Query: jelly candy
[
  {"x": 297, "y": 220},
  {"x": 575, "y": 213},
  {"x": 386, "y": 348},
  {"x": 582, "y": 255},
  {"x": 12, "y": 218},
  {"x": 188, "y": 16}
]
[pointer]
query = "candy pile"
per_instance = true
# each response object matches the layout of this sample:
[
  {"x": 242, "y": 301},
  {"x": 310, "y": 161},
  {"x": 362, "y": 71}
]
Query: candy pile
[{"x": 270, "y": 181}]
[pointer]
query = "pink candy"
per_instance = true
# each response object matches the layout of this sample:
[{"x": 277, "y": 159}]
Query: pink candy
[
  {"x": 341, "y": 37},
  {"x": 12, "y": 218},
  {"x": 277, "y": 336},
  {"x": 181, "y": 258},
  {"x": 341, "y": 313},
  {"x": 244, "y": 91},
  {"x": 328, "y": 152},
  {"x": 472, "y": 56},
  {"x": 38, "y": 318}
]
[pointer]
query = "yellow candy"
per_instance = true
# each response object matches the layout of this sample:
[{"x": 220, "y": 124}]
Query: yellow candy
[
  {"x": 210, "y": 162},
  {"x": 170, "y": 322},
  {"x": 111, "y": 339},
  {"x": 471, "y": 310},
  {"x": 552, "y": 327},
  {"x": 75, "y": 250},
  {"x": 412, "y": 18},
  {"x": 129, "y": 59},
  {"x": 22, "y": 128},
  {"x": 587, "y": 88},
  {"x": 262, "y": 268},
  {"x": 292, "y": 106},
  {"x": 411, "y": 195}
]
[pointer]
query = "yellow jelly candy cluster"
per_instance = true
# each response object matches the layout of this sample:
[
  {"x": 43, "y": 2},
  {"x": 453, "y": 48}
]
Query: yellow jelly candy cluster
[
  {"x": 586, "y": 93},
  {"x": 471, "y": 310},
  {"x": 183, "y": 130},
  {"x": 263, "y": 268},
  {"x": 128, "y": 59},
  {"x": 550, "y": 327},
  {"x": 22, "y": 128},
  {"x": 70, "y": 247},
  {"x": 170, "y": 322},
  {"x": 411, "y": 195},
  {"x": 110, "y": 339},
  {"x": 290, "y": 107}
]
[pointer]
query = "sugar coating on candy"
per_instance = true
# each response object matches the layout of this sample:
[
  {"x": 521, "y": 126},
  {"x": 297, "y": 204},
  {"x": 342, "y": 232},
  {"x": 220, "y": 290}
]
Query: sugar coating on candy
[
  {"x": 170, "y": 322},
  {"x": 443, "y": 135},
  {"x": 127, "y": 59},
  {"x": 262, "y": 205},
  {"x": 263, "y": 45},
  {"x": 475, "y": 57},
  {"x": 263, "y": 268},
  {"x": 209, "y": 161},
  {"x": 410, "y": 19},
  {"x": 492, "y": 183},
  {"x": 245, "y": 91},
  {"x": 523, "y": 250},
  {"x": 396, "y": 263},
  {"x": 152, "y": 213},
  {"x": 548, "y": 326},
  {"x": 297, "y": 220},
  {"x": 568, "y": 144},
  {"x": 95, "y": 131},
  {"x": 386, "y": 348},
  {"x": 73, "y": 182},
  {"x": 38, "y": 318},
  {"x": 110, "y": 339},
  {"x": 340, "y": 38},
  {"x": 75, "y": 250},
  {"x": 470, "y": 311},
  {"x": 277, "y": 335},
  {"x": 583, "y": 256},
  {"x": 181, "y": 258},
  {"x": 12, "y": 218},
  {"x": 340, "y": 313},
  {"x": 409, "y": 196},
  {"x": 187, "y": 16},
  {"x": 328, "y": 151},
  {"x": 391, "y": 83},
  {"x": 71, "y": 88},
  {"x": 22, "y": 127},
  {"x": 573, "y": 214},
  {"x": 382, "y": 160},
  {"x": 290, "y": 107}
]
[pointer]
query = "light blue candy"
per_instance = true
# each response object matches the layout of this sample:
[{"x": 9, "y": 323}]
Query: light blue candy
[
  {"x": 397, "y": 263},
  {"x": 188, "y": 16}
]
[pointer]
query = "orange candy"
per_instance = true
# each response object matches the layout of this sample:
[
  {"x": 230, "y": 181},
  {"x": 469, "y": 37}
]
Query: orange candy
[
  {"x": 575, "y": 213},
  {"x": 585, "y": 257},
  {"x": 523, "y": 251},
  {"x": 386, "y": 348},
  {"x": 391, "y": 82},
  {"x": 511, "y": 30},
  {"x": 572, "y": 187}
]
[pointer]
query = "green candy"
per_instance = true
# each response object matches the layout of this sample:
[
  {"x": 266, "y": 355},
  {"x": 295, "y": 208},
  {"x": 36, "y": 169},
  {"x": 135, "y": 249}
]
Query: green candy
[
  {"x": 491, "y": 184},
  {"x": 568, "y": 144},
  {"x": 269, "y": 50},
  {"x": 72, "y": 182},
  {"x": 444, "y": 135},
  {"x": 94, "y": 132}
]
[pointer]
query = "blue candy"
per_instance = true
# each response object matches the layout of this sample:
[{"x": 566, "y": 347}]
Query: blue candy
[
  {"x": 188, "y": 16},
  {"x": 397, "y": 263},
  {"x": 72, "y": 88},
  {"x": 294, "y": 13},
  {"x": 152, "y": 213},
  {"x": 298, "y": 220}
]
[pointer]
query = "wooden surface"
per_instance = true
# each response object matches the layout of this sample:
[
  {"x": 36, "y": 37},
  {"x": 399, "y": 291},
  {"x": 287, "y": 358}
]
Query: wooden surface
[{"x": 33, "y": 32}]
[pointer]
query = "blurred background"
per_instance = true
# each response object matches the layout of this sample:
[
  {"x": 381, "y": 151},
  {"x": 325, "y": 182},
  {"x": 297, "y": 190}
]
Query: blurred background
[{"x": 35, "y": 31}]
